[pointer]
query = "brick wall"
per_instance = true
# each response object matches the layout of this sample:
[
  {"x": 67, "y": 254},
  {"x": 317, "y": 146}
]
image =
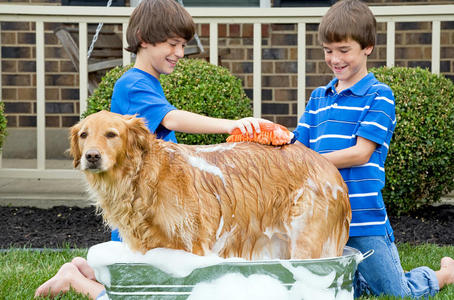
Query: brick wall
[{"x": 279, "y": 64}]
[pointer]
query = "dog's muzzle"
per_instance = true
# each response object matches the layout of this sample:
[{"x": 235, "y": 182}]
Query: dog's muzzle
[{"x": 93, "y": 160}]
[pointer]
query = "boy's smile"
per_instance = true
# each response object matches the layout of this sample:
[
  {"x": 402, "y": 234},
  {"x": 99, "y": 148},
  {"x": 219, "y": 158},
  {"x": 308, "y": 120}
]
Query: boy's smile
[
  {"x": 160, "y": 58},
  {"x": 347, "y": 61}
]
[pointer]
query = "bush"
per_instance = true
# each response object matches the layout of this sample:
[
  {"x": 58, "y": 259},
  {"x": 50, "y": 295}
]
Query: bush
[
  {"x": 420, "y": 164},
  {"x": 2, "y": 125},
  {"x": 195, "y": 86}
]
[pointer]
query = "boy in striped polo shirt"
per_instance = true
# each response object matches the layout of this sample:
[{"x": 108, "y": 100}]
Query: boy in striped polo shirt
[{"x": 350, "y": 122}]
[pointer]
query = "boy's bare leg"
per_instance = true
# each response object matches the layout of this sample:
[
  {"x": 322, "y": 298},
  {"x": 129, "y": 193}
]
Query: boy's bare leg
[
  {"x": 70, "y": 276},
  {"x": 446, "y": 273}
]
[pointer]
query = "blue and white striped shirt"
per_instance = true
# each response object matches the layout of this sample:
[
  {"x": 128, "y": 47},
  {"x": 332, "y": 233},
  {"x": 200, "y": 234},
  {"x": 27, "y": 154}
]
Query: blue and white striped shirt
[{"x": 332, "y": 122}]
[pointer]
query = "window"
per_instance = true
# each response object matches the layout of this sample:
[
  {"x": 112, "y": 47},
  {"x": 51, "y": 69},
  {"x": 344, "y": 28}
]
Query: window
[
  {"x": 303, "y": 3},
  {"x": 91, "y": 2},
  {"x": 218, "y": 3}
]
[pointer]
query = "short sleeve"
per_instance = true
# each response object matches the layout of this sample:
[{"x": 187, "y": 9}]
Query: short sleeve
[
  {"x": 380, "y": 120},
  {"x": 301, "y": 132},
  {"x": 149, "y": 104}
]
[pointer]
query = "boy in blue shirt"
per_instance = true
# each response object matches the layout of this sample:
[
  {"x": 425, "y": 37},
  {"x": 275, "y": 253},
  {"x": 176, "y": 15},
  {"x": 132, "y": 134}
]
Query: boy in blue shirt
[
  {"x": 350, "y": 122},
  {"x": 157, "y": 33}
]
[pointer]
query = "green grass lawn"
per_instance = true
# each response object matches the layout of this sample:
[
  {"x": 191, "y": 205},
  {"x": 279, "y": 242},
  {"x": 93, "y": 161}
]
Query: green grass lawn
[{"x": 22, "y": 270}]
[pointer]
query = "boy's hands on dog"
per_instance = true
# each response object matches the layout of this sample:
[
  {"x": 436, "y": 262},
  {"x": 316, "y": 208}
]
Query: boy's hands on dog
[{"x": 248, "y": 125}]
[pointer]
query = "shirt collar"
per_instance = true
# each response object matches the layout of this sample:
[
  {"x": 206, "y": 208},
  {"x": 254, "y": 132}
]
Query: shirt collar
[{"x": 359, "y": 89}]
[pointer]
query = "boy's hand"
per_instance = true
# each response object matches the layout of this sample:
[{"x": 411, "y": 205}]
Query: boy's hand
[
  {"x": 267, "y": 133},
  {"x": 248, "y": 125}
]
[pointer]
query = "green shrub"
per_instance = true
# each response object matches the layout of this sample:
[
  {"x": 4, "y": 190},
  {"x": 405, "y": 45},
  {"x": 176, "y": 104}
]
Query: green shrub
[
  {"x": 420, "y": 164},
  {"x": 196, "y": 86},
  {"x": 2, "y": 124}
]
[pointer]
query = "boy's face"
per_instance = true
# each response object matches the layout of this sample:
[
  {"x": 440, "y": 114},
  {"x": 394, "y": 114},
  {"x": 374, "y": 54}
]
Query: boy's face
[
  {"x": 162, "y": 58},
  {"x": 347, "y": 61}
]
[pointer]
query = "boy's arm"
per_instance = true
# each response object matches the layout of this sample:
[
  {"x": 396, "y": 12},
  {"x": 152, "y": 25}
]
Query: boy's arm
[
  {"x": 352, "y": 156},
  {"x": 184, "y": 121}
]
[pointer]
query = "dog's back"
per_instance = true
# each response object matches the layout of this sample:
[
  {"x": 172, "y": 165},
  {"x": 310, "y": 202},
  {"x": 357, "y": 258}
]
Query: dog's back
[
  {"x": 262, "y": 201},
  {"x": 237, "y": 199}
]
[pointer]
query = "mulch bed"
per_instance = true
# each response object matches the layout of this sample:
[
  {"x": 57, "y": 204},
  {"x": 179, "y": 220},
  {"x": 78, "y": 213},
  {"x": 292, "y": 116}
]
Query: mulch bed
[{"x": 81, "y": 227}]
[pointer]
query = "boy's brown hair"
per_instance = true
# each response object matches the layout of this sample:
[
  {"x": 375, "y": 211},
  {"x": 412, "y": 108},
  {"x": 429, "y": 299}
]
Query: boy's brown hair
[
  {"x": 348, "y": 19},
  {"x": 155, "y": 21}
]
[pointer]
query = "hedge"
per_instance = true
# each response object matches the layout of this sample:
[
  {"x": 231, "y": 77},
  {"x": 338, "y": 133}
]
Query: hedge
[
  {"x": 420, "y": 163},
  {"x": 196, "y": 86}
]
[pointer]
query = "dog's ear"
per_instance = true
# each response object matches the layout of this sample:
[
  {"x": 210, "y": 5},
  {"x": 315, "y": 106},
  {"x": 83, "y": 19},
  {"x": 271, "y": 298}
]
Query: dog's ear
[
  {"x": 139, "y": 136},
  {"x": 74, "y": 149}
]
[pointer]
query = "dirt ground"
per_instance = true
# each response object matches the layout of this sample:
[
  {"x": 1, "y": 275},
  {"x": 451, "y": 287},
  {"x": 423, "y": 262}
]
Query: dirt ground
[{"x": 81, "y": 227}]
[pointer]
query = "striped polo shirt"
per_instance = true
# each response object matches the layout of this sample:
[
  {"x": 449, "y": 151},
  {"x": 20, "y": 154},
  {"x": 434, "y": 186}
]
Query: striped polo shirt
[{"x": 332, "y": 121}]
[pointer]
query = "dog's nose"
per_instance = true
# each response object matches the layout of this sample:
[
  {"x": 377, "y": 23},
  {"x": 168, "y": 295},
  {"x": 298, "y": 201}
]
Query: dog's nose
[{"x": 92, "y": 156}]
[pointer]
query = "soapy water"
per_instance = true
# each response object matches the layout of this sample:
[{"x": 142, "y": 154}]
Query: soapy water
[{"x": 237, "y": 286}]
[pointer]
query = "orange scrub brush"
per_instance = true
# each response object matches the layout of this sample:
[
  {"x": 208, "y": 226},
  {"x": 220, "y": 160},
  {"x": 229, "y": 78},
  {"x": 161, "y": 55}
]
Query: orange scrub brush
[{"x": 270, "y": 134}]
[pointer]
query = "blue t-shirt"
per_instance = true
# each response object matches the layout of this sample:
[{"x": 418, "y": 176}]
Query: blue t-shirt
[
  {"x": 333, "y": 121},
  {"x": 140, "y": 93}
]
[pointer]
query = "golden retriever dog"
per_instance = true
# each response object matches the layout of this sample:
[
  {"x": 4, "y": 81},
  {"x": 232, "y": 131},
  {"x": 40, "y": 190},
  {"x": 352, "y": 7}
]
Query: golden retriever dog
[{"x": 235, "y": 200}]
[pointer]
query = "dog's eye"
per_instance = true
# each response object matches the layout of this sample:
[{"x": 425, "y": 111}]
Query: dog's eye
[
  {"x": 83, "y": 135},
  {"x": 111, "y": 134}
]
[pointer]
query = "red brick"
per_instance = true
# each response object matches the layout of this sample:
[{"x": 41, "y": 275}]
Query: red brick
[
  {"x": 54, "y": 52},
  {"x": 9, "y": 93},
  {"x": 418, "y": 38},
  {"x": 234, "y": 30},
  {"x": 16, "y": 52},
  {"x": 286, "y": 66},
  {"x": 447, "y": 52},
  {"x": 288, "y": 121},
  {"x": 67, "y": 66},
  {"x": 317, "y": 80},
  {"x": 288, "y": 39},
  {"x": 61, "y": 79},
  {"x": 69, "y": 93},
  {"x": 248, "y": 30},
  {"x": 274, "y": 53},
  {"x": 53, "y": 121},
  {"x": 293, "y": 81},
  {"x": 9, "y": 66},
  {"x": 235, "y": 53},
  {"x": 50, "y": 39},
  {"x": 222, "y": 30},
  {"x": 283, "y": 27},
  {"x": 11, "y": 121},
  {"x": 275, "y": 81},
  {"x": 26, "y": 38},
  {"x": 285, "y": 94},
  {"x": 8, "y": 38},
  {"x": 68, "y": 121},
  {"x": 241, "y": 67},
  {"x": 267, "y": 67},
  {"x": 18, "y": 107},
  {"x": 16, "y": 80},
  {"x": 27, "y": 121},
  {"x": 52, "y": 93},
  {"x": 26, "y": 93},
  {"x": 204, "y": 30},
  {"x": 26, "y": 66},
  {"x": 15, "y": 26},
  {"x": 51, "y": 66},
  {"x": 265, "y": 30},
  {"x": 314, "y": 53}
]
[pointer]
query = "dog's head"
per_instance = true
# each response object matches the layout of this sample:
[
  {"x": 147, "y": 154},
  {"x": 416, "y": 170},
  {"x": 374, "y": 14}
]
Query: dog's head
[{"x": 105, "y": 139}]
